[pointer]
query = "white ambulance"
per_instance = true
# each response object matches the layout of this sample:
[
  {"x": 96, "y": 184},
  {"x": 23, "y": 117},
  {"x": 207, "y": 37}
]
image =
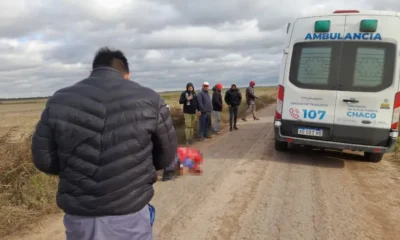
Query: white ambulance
[{"x": 339, "y": 83}]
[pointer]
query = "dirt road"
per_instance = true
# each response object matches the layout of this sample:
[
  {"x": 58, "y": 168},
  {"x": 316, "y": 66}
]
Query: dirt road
[{"x": 249, "y": 191}]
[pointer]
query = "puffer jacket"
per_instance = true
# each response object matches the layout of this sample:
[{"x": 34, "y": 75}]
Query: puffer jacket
[
  {"x": 233, "y": 97},
  {"x": 204, "y": 101},
  {"x": 104, "y": 137}
]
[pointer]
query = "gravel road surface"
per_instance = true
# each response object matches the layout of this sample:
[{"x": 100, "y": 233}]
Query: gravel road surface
[{"x": 249, "y": 191}]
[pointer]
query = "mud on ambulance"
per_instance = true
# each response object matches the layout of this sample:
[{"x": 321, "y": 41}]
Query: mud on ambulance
[{"x": 339, "y": 83}]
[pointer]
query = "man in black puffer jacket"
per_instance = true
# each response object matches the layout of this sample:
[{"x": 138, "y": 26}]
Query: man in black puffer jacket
[
  {"x": 105, "y": 137},
  {"x": 233, "y": 98}
]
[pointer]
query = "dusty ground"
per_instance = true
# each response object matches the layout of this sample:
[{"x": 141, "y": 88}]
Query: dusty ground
[{"x": 249, "y": 191}]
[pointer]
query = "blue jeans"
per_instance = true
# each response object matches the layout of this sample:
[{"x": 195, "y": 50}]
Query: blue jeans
[{"x": 204, "y": 125}]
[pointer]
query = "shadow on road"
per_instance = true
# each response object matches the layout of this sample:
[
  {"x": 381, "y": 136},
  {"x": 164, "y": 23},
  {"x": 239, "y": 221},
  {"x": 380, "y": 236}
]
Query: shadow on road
[{"x": 315, "y": 157}]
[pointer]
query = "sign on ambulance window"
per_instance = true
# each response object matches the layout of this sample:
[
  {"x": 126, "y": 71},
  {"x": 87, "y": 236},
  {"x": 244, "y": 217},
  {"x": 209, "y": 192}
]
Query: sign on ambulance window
[
  {"x": 368, "y": 71},
  {"x": 314, "y": 65}
]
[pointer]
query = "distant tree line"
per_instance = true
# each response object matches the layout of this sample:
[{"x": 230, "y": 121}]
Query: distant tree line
[{"x": 25, "y": 99}]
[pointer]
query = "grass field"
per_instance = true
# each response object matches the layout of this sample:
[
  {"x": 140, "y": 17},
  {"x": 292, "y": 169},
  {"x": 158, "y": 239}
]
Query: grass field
[{"x": 26, "y": 195}]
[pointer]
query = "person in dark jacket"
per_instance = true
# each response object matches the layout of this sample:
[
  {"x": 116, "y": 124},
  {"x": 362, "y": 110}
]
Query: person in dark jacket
[
  {"x": 205, "y": 108},
  {"x": 233, "y": 98},
  {"x": 250, "y": 100},
  {"x": 105, "y": 137},
  {"x": 217, "y": 106},
  {"x": 188, "y": 99},
  {"x": 169, "y": 172}
]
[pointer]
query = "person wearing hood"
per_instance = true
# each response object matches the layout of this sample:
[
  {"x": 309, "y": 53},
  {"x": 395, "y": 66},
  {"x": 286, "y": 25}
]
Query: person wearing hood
[
  {"x": 217, "y": 106},
  {"x": 205, "y": 107},
  {"x": 250, "y": 100},
  {"x": 233, "y": 98},
  {"x": 188, "y": 99}
]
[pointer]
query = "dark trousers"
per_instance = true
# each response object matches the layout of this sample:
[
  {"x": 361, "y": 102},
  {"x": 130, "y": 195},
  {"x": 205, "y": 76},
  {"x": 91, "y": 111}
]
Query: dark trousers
[
  {"x": 204, "y": 124},
  {"x": 233, "y": 114}
]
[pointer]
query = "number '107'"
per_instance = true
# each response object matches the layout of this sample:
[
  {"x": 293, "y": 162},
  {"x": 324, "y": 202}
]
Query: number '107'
[{"x": 313, "y": 114}]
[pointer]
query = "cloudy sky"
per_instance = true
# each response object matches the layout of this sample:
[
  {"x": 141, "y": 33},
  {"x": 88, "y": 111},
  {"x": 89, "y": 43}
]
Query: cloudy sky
[{"x": 49, "y": 44}]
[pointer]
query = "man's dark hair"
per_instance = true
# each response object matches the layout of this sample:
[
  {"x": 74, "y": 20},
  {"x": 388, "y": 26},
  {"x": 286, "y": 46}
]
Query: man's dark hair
[{"x": 116, "y": 59}]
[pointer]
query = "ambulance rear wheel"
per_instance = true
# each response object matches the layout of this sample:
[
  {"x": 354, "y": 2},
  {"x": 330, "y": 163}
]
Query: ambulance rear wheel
[
  {"x": 373, "y": 157},
  {"x": 281, "y": 146}
]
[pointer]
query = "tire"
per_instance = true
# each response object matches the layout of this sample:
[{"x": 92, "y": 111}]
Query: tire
[
  {"x": 281, "y": 146},
  {"x": 373, "y": 157}
]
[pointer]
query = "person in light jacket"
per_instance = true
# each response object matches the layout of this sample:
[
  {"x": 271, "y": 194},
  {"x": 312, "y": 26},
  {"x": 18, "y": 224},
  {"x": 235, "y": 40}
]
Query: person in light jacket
[
  {"x": 250, "y": 100},
  {"x": 205, "y": 108}
]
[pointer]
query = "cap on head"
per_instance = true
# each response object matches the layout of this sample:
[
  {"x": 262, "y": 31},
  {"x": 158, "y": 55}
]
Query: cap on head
[
  {"x": 206, "y": 84},
  {"x": 219, "y": 86},
  {"x": 252, "y": 83}
]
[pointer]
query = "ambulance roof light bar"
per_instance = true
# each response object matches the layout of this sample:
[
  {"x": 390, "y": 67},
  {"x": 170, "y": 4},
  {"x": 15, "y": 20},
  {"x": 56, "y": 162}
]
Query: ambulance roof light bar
[{"x": 346, "y": 11}]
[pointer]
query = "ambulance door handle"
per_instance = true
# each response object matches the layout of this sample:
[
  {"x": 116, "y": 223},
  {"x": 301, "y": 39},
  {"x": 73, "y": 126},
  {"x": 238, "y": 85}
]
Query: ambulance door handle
[{"x": 351, "y": 100}]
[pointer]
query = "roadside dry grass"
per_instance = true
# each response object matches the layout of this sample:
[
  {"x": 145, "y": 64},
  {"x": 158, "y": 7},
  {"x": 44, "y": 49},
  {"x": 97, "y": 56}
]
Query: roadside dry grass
[{"x": 26, "y": 195}]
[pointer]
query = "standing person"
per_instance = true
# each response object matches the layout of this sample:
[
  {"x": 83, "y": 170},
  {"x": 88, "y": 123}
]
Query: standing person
[
  {"x": 188, "y": 99},
  {"x": 105, "y": 137},
  {"x": 169, "y": 172},
  {"x": 205, "y": 108},
  {"x": 233, "y": 98},
  {"x": 250, "y": 100},
  {"x": 217, "y": 106}
]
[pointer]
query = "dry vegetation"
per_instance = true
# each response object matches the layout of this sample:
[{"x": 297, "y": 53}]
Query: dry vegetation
[{"x": 27, "y": 194}]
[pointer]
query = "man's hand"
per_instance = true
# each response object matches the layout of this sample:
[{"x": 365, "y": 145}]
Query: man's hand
[
  {"x": 199, "y": 114},
  {"x": 229, "y": 105},
  {"x": 190, "y": 97}
]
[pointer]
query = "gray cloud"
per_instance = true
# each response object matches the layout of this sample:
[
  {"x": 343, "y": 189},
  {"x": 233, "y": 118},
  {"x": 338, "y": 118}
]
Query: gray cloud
[{"x": 47, "y": 45}]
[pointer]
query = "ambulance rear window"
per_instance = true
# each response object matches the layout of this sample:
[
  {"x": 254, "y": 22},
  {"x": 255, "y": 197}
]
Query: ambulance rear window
[
  {"x": 367, "y": 66},
  {"x": 314, "y": 65},
  {"x": 344, "y": 66}
]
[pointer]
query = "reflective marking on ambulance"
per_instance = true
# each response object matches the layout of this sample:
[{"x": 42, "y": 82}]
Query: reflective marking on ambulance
[{"x": 396, "y": 116}]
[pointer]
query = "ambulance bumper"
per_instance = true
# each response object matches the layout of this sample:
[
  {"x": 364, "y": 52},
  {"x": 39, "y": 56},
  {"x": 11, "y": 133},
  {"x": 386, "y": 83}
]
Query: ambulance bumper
[{"x": 335, "y": 145}]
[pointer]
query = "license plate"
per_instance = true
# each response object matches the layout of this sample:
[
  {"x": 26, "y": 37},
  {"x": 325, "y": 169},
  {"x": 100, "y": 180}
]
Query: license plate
[{"x": 310, "y": 132}]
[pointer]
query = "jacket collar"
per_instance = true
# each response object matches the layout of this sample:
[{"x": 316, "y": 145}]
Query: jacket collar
[{"x": 106, "y": 72}]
